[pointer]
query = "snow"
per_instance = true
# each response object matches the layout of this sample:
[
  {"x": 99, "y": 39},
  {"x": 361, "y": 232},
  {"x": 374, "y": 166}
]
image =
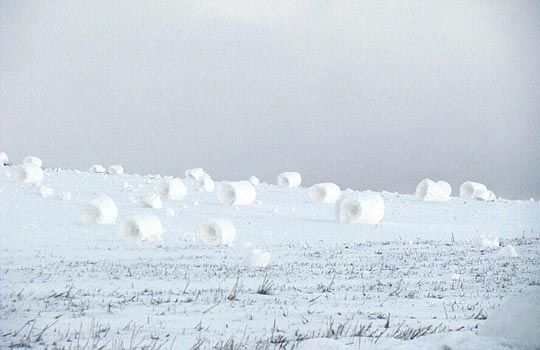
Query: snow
[
  {"x": 508, "y": 251},
  {"x": 4, "y": 159},
  {"x": 200, "y": 179},
  {"x": 46, "y": 191},
  {"x": 142, "y": 228},
  {"x": 32, "y": 160},
  {"x": 99, "y": 211},
  {"x": 431, "y": 191},
  {"x": 257, "y": 258},
  {"x": 289, "y": 179},
  {"x": 236, "y": 193},
  {"x": 217, "y": 232},
  {"x": 418, "y": 279},
  {"x": 489, "y": 242},
  {"x": 360, "y": 208},
  {"x": 116, "y": 170},
  {"x": 467, "y": 188},
  {"x": 172, "y": 188},
  {"x": 254, "y": 180},
  {"x": 151, "y": 200},
  {"x": 483, "y": 195},
  {"x": 517, "y": 321},
  {"x": 324, "y": 193},
  {"x": 321, "y": 344},
  {"x": 97, "y": 169},
  {"x": 30, "y": 173}
]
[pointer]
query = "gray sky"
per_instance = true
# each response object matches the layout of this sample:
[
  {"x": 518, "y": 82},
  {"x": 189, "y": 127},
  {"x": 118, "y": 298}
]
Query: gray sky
[{"x": 371, "y": 95}]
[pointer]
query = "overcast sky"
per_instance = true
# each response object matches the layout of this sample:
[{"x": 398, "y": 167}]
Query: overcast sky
[{"x": 370, "y": 95}]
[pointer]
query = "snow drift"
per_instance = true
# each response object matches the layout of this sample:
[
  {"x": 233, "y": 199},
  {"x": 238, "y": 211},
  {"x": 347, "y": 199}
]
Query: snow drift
[
  {"x": 172, "y": 189},
  {"x": 97, "y": 168},
  {"x": 142, "y": 228},
  {"x": 431, "y": 191},
  {"x": 32, "y": 160},
  {"x": 116, "y": 170},
  {"x": 257, "y": 258},
  {"x": 29, "y": 173},
  {"x": 360, "y": 208},
  {"x": 236, "y": 193},
  {"x": 200, "y": 179},
  {"x": 99, "y": 211},
  {"x": 216, "y": 232},
  {"x": 4, "y": 160},
  {"x": 324, "y": 193},
  {"x": 289, "y": 179},
  {"x": 517, "y": 319}
]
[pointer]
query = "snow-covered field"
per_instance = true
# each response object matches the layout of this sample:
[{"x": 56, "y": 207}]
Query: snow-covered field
[{"x": 420, "y": 278}]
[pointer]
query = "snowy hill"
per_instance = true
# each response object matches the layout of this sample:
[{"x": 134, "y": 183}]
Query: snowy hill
[{"x": 422, "y": 270}]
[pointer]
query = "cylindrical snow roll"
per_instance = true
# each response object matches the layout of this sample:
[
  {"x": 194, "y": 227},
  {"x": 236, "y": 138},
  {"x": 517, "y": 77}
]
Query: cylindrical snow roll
[
  {"x": 254, "y": 180},
  {"x": 142, "y": 228},
  {"x": 153, "y": 200},
  {"x": 31, "y": 174},
  {"x": 324, "y": 193},
  {"x": 31, "y": 160},
  {"x": 216, "y": 232},
  {"x": 97, "y": 168},
  {"x": 483, "y": 195},
  {"x": 431, "y": 191},
  {"x": 200, "y": 179},
  {"x": 192, "y": 174},
  {"x": 172, "y": 189},
  {"x": 467, "y": 188},
  {"x": 289, "y": 179},
  {"x": 422, "y": 188},
  {"x": 205, "y": 183},
  {"x": 257, "y": 258},
  {"x": 360, "y": 208},
  {"x": 4, "y": 159},
  {"x": 46, "y": 191},
  {"x": 116, "y": 170},
  {"x": 439, "y": 191},
  {"x": 99, "y": 211},
  {"x": 237, "y": 193}
]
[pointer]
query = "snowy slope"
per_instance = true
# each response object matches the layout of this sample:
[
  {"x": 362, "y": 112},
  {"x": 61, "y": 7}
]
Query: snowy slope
[{"x": 421, "y": 270}]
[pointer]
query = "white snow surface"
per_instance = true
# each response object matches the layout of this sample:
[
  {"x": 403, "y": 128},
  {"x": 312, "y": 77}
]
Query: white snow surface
[{"x": 384, "y": 286}]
